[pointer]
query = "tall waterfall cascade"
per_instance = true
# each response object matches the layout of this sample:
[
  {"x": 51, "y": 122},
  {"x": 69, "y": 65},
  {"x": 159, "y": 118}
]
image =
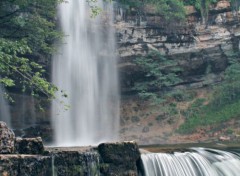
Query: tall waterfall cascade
[
  {"x": 198, "y": 162},
  {"x": 85, "y": 70},
  {"x": 4, "y": 108}
]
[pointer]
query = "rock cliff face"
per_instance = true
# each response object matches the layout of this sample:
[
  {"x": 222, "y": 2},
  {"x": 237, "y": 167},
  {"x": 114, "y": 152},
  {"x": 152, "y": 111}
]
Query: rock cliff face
[{"x": 202, "y": 52}]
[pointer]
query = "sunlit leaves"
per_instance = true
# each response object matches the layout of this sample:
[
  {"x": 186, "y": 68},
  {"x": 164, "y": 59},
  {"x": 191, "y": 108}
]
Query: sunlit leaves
[
  {"x": 7, "y": 82},
  {"x": 27, "y": 33},
  {"x": 17, "y": 69}
]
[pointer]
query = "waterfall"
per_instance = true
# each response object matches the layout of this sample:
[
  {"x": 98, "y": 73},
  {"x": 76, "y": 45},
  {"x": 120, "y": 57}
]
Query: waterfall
[
  {"x": 85, "y": 70},
  {"x": 4, "y": 108},
  {"x": 198, "y": 162}
]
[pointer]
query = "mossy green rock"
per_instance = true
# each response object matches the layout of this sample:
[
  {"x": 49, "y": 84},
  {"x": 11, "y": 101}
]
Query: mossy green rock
[
  {"x": 29, "y": 145},
  {"x": 119, "y": 158}
]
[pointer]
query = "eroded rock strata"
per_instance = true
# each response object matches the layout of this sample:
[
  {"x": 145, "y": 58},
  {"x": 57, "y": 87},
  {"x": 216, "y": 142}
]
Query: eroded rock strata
[{"x": 202, "y": 52}]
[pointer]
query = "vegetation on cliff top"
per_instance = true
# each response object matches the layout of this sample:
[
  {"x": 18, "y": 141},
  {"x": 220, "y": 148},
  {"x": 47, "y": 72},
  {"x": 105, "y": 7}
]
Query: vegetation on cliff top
[
  {"x": 173, "y": 11},
  {"x": 170, "y": 10}
]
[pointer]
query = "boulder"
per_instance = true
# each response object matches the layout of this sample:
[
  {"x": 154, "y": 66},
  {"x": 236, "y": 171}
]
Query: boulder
[
  {"x": 25, "y": 165},
  {"x": 223, "y": 4},
  {"x": 119, "y": 159},
  {"x": 75, "y": 163},
  {"x": 29, "y": 145},
  {"x": 6, "y": 139}
]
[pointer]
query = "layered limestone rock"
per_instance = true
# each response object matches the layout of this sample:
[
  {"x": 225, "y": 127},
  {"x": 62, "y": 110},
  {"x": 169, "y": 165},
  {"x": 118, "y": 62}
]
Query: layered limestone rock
[{"x": 201, "y": 51}]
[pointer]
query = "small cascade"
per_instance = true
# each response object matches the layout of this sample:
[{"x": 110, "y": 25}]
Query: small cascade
[
  {"x": 75, "y": 163},
  {"x": 92, "y": 161},
  {"x": 197, "y": 162},
  {"x": 53, "y": 166},
  {"x": 4, "y": 108}
]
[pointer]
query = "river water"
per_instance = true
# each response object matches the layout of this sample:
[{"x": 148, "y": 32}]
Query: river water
[{"x": 195, "y": 162}]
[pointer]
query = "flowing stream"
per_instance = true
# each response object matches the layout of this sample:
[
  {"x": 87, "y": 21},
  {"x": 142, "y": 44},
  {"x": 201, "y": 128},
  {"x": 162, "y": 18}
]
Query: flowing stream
[
  {"x": 85, "y": 70},
  {"x": 198, "y": 162},
  {"x": 4, "y": 108}
]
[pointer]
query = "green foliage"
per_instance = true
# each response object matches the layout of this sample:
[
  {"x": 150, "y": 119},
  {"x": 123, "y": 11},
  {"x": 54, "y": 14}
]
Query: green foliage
[
  {"x": 189, "y": 2},
  {"x": 170, "y": 10},
  {"x": 32, "y": 20},
  {"x": 223, "y": 105},
  {"x": 207, "y": 116},
  {"x": 27, "y": 34},
  {"x": 235, "y": 4},
  {"x": 229, "y": 131},
  {"x": 131, "y": 3},
  {"x": 16, "y": 69},
  {"x": 229, "y": 91},
  {"x": 180, "y": 95},
  {"x": 202, "y": 6},
  {"x": 159, "y": 72},
  {"x": 95, "y": 9}
]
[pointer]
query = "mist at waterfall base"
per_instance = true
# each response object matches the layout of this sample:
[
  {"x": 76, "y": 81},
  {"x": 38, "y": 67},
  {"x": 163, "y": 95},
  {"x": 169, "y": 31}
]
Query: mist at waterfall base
[
  {"x": 197, "y": 162},
  {"x": 85, "y": 70}
]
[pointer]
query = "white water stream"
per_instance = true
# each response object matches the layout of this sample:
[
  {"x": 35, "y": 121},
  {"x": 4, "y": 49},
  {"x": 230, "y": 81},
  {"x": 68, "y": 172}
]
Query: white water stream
[
  {"x": 85, "y": 69},
  {"x": 199, "y": 162}
]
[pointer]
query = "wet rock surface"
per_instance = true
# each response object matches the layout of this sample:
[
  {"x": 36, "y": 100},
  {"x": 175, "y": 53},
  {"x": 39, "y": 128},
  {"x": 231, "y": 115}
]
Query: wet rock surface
[
  {"x": 29, "y": 145},
  {"x": 75, "y": 163},
  {"x": 119, "y": 159},
  {"x": 25, "y": 165},
  {"x": 28, "y": 157},
  {"x": 7, "y": 138},
  {"x": 108, "y": 159},
  {"x": 201, "y": 52}
]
